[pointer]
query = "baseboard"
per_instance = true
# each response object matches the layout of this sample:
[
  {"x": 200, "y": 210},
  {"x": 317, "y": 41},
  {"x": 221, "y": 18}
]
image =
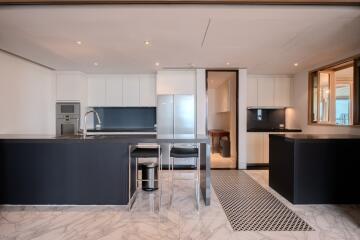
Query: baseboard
[{"x": 257, "y": 166}]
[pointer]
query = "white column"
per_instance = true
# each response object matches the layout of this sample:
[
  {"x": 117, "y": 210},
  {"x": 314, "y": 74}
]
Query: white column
[
  {"x": 200, "y": 101},
  {"x": 242, "y": 111}
]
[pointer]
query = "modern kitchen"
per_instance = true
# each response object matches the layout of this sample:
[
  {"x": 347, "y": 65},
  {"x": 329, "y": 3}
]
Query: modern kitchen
[{"x": 159, "y": 121}]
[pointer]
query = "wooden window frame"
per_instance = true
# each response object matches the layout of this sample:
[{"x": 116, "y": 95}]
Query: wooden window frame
[{"x": 355, "y": 113}]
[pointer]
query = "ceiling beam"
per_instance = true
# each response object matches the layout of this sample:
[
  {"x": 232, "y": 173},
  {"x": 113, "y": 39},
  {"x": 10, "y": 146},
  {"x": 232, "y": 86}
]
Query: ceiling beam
[{"x": 244, "y": 2}]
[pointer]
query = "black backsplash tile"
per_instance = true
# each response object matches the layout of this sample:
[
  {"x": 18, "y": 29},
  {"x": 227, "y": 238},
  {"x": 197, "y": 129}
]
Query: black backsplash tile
[
  {"x": 126, "y": 117},
  {"x": 271, "y": 118}
]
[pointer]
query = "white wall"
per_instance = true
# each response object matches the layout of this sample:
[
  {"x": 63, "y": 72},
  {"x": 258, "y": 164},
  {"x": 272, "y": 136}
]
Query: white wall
[
  {"x": 299, "y": 115},
  {"x": 72, "y": 86},
  {"x": 27, "y": 97},
  {"x": 201, "y": 101},
  {"x": 176, "y": 82},
  {"x": 242, "y": 111}
]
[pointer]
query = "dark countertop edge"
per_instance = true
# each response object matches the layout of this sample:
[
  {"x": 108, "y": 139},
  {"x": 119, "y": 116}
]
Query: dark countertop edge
[
  {"x": 123, "y": 130},
  {"x": 317, "y": 137},
  {"x": 274, "y": 130},
  {"x": 133, "y": 138}
]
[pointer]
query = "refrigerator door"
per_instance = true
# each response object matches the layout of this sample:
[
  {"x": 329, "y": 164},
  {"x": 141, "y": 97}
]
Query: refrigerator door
[
  {"x": 165, "y": 116},
  {"x": 184, "y": 125},
  {"x": 184, "y": 116},
  {"x": 175, "y": 119},
  {"x": 165, "y": 123}
]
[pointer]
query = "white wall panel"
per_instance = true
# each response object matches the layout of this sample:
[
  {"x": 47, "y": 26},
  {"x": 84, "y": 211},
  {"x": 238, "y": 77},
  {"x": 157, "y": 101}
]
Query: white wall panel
[
  {"x": 176, "y": 82},
  {"x": 27, "y": 97},
  {"x": 242, "y": 111},
  {"x": 201, "y": 101}
]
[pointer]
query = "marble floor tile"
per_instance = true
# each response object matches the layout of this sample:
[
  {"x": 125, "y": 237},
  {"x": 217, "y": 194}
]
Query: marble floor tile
[{"x": 180, "y": 221}]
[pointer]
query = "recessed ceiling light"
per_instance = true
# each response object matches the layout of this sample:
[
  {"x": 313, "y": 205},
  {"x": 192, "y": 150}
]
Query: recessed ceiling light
[
  {"x": 157, "y": 64},
  {"x": 296, "y": 64},
  {"x": 147, "y": 43},
  {"x": 228, "y": 63},
  {"x": 96, "y": 64},
  {"x": 78, "y": 42}
]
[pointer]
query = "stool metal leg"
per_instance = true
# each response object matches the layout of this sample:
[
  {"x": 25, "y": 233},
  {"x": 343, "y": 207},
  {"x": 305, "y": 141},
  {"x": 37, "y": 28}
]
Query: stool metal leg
[
  {"x": 132, "y": 199},
  {"x": 172, "y": 181},
  {"x": 160, "y": 182},
  {"x": 198, "y": 176}
]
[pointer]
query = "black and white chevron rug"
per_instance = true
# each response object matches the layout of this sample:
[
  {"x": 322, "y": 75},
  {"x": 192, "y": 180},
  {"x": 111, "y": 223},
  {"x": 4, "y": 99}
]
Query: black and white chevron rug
[{"x": 250, "y": 207}]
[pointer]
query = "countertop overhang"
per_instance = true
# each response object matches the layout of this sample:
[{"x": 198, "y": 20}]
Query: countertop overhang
[
  {"x": 123, "y": 138},
  {"x": 317, "y": 137},
  {"x": 271, "y": 130}
]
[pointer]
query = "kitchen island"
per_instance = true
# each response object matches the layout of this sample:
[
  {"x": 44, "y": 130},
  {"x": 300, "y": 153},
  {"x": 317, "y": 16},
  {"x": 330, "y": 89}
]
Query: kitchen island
[
  {"x": 73, "y": 170},
  {"x": 315, "y": 169}
]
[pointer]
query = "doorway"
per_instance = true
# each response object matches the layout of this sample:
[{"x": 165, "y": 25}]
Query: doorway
[{"x": 222, "y": 117}]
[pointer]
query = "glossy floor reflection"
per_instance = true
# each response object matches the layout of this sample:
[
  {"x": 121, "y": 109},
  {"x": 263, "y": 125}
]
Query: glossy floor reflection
[
  {"x": 218, "y": 161},
  {"x": 178, "y": 222}
]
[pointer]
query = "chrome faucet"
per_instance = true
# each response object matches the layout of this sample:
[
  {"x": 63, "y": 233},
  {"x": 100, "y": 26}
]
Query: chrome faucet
[{"x": 85, "y": 121}]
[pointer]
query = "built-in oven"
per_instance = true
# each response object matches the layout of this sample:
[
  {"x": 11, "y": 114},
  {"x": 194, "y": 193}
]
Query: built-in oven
[{"x": 67, "y": 118}]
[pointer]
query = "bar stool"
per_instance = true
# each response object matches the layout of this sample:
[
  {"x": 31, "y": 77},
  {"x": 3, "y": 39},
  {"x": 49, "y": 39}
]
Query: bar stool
[
  {"x": 144, "y": 151},
  {"x": 182, "y": 152}
]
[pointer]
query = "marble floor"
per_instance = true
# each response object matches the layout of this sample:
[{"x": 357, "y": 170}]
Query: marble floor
[
  {"x": 181, "y": 221},
  {"x": 218, "y": 161}
]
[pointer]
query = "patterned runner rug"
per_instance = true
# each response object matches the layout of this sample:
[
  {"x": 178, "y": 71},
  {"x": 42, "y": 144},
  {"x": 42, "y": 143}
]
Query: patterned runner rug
[{"x": 250, "y": 207}]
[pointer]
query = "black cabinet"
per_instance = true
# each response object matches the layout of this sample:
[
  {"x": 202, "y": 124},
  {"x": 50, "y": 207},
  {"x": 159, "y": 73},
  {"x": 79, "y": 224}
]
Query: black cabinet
[
  {"x": 64, "y": 173},
  {"x": 315, "y": 169}
]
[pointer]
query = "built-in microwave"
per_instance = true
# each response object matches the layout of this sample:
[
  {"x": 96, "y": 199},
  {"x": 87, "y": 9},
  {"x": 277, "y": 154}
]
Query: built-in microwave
[{"x": 67, "y": 118}]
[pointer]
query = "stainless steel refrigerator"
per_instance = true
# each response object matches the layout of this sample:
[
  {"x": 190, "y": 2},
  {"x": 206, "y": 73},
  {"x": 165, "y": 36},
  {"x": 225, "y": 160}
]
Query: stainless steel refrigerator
[{"x": 176, "y": 119}]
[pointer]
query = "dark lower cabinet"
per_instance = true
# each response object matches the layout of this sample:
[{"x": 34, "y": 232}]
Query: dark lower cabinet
[
  {"x": 64, "y": 173},
  {"x": 310, "y": 170}
]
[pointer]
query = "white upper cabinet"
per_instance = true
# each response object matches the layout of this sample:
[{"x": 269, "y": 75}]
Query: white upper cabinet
[
  {"x": 269, "y": 91},
  {"x": 265, "y": 92},
  {"x": 118, "y": 90},
  {"x": 147, "y": 90},
  {"x": 114, "y": 90},
  {"x": 176, "y": 82},
  {"x": 282, "y": 95},
  {"x": 252, "y": 92},
  {"x": 96, "y": 91},
  {"x": 131, "y": 91},
  {"x": 70, "y": 86}
]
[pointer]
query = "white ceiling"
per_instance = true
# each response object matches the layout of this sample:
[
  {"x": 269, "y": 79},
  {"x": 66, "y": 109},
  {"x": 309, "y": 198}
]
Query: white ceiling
[{"x": 264, "y": 39}]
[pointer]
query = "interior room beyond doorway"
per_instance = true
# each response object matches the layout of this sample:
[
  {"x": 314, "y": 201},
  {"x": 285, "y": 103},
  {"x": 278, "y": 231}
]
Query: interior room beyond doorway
[{"x": 222, "y": 116}]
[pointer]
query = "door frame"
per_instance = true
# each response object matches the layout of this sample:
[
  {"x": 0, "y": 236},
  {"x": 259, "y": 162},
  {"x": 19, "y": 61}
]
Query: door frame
[{"x": 236, "y": 71}]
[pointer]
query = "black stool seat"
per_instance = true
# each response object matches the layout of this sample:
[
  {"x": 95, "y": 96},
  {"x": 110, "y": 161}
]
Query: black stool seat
[
  {"x": 184, "y": 152},
  {"x": 145, "y": 153}
]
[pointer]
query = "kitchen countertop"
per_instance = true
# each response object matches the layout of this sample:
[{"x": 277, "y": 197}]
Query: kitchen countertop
[
  {"x": 273, "y": 130},
  {"x": 317, "y": 136},
  {"x": 131, "y": 138}
]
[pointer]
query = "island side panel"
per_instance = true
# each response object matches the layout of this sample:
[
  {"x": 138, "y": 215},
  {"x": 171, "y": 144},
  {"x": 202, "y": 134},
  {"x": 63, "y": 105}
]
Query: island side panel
[
  {"x": 63, "y": 173},
  {"x": 281, "y": 166}
]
